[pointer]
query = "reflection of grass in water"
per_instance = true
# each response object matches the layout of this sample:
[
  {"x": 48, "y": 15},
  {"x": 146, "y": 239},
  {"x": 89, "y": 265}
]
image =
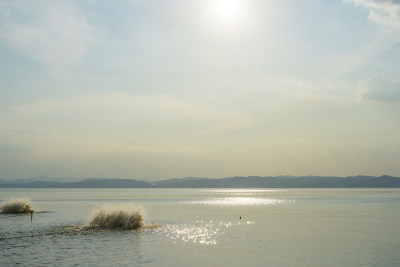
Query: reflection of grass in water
[
  {"x": 125, "y": 217},
  {"x": 16, "y": 206},
  {"x": 87, "y": 229}
]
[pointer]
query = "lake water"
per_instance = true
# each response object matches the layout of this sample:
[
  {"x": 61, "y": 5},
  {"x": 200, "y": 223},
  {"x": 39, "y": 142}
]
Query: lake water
[{"x": 202, "y": 227}]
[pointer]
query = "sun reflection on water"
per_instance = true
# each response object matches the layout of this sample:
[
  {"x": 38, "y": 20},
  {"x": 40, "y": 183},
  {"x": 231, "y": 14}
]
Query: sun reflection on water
[
  {"x": 252, "y": 191},
  {"x": 240, "y": 201},
  {"x": 204, "y": 233}
]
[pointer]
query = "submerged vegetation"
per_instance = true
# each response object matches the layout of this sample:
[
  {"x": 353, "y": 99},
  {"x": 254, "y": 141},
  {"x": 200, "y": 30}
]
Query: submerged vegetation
[{"x": 16, "y": 206}]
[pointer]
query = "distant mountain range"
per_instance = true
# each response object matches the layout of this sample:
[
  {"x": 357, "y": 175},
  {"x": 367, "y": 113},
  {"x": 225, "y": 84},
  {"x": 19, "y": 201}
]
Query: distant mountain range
[{"x": 228, "y": 182}]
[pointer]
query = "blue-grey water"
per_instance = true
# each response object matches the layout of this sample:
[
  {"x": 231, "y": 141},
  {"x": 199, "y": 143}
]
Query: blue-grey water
[{"x": 202, "y": 227}]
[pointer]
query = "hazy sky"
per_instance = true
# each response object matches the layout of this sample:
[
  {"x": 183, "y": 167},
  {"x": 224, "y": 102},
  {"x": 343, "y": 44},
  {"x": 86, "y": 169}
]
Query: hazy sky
[{"x": 153, "y": 89}]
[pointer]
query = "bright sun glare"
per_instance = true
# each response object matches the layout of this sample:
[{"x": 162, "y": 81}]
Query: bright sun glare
[{"x": 227, "y": 10}]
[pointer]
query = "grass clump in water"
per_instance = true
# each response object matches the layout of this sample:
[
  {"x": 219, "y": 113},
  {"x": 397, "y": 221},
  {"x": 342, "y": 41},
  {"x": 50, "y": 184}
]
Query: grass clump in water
[
  {"x": 16, "y": 206},
  {"x": 125, "y": 218}
]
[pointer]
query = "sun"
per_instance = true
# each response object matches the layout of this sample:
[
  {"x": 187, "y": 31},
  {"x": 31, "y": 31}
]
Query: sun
[{"x": 227, "y": 10}]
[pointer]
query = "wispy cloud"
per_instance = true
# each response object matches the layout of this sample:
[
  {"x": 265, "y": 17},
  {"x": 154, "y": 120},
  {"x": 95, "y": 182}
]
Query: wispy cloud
[
  {"x": 377, "y": 41},
  {"x": 380, "y": 89},
  {"x": 125, "y": 112},
  {"x": 108, "y": 133},
  {"x": 386, "y": 12},
  {"x": 55, "y": 33}
]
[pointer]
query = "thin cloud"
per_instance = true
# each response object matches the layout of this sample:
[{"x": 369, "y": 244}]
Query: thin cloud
[
  {"x": 55, "y": 33},
  {"x": 386, "y": 12},
  {"x": 128, "y": 113},
  {"x": 383, "y": 12},
  {"x": 379, "y": 89}
]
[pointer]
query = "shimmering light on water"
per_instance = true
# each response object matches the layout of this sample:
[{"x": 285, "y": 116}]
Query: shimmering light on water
[
  {"x": 205, "y": 233},
  {"x": 240, "y": 201},
  {"x": 246, "y": 191}
]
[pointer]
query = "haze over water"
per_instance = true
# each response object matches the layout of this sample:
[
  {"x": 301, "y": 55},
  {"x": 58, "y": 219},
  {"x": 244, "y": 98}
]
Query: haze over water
[{"x": 202, "y": 227}]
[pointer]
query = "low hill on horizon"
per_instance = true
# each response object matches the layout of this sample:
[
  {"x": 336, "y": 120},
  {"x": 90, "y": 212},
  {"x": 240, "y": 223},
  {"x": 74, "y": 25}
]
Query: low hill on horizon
[{"x": 360, "y": 181}]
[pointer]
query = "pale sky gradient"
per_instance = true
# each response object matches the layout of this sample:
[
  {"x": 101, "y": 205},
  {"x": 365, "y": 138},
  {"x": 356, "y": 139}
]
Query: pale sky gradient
[{"x": 159, "y": 89}]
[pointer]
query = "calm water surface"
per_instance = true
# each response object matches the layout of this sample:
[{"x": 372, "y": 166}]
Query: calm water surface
[{"x": 202, "y": 227}]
